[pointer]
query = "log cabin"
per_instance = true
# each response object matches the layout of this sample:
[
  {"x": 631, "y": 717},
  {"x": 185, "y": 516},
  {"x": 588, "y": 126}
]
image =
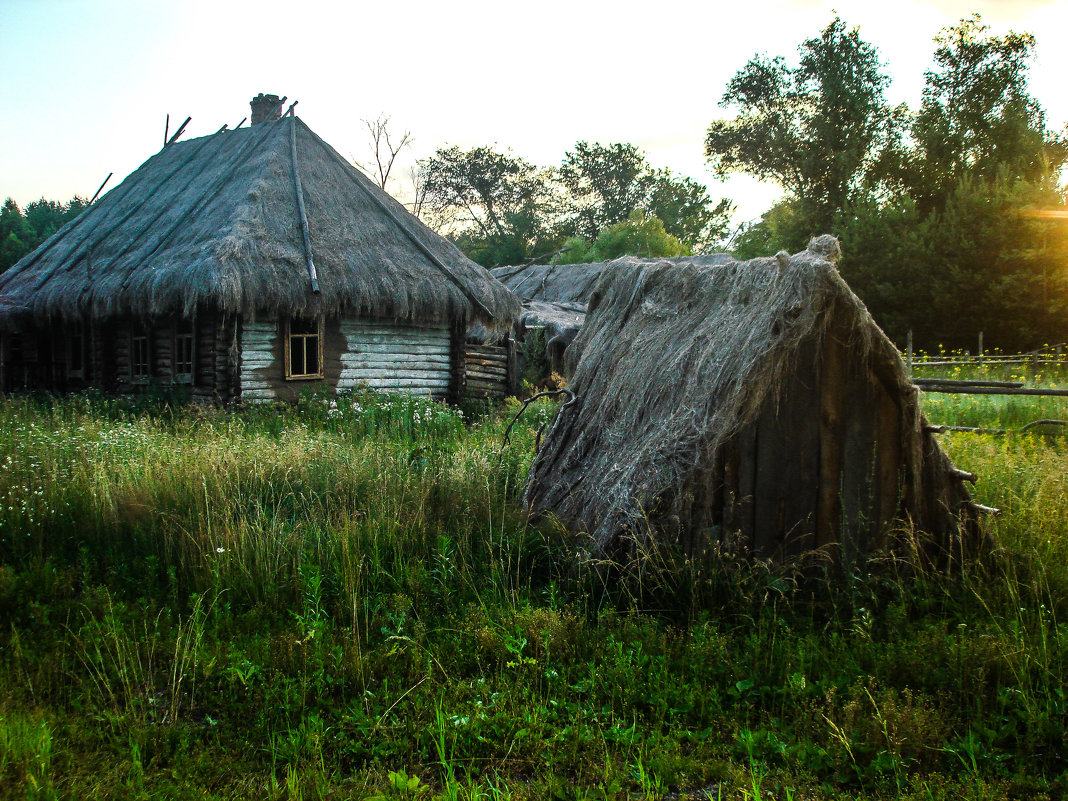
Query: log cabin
[
  {"x": 749, "y": 407},
  {"x": 251, "y": 264}
]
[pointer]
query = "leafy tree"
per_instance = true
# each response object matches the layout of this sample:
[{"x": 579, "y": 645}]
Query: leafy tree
[
  {"x": 15, "y": 234},
  {"x": 606, "y": 183},
  {"x": 499, "y": 207},
  {"x": 818, "y": 129},
  {"x": 977, "y": 117},
  {"x": 640, "y": 234},
  {"x": 22, "y": 232}
]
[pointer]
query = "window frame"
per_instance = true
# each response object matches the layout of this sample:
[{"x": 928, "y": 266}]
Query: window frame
[
  {"x": 76, "y": 341},
  {"x": 184, "y": 330},
  {"x": 137, "y": 377},
  {"x": 288, "y": 348}
]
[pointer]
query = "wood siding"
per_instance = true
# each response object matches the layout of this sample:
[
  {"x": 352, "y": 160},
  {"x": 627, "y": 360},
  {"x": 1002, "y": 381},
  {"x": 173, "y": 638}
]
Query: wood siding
[
  {"x": 822, "y": 464},
  {"x": 489, "y": 371},
  {"x": 386, "y": 358},
  {"x": 392, "y": 358}
]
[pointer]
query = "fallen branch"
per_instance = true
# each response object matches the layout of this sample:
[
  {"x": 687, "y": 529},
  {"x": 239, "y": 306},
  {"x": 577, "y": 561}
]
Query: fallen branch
[
  {"x": 1042, "y": 423},
  {"x": 548, "y": 394},
  {"x": 966, "y": 429},
  {"x": 963, "y": 475}
]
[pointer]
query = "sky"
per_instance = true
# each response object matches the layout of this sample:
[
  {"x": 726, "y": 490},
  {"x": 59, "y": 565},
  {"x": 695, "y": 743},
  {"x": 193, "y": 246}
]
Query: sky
[{"x": 90, "y": 82}]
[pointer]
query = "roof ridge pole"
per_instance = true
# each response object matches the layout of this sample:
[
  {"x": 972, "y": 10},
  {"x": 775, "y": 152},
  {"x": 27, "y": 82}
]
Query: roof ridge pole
[{"x": 300, "y": 201}]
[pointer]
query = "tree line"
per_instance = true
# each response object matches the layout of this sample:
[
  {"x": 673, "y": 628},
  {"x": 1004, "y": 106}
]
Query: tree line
[
  {"x": 948, "y": 215},
  {"x": 952, "y": 216},
  {"x": 603, "y": 201},
  {"x": 22, "y": 231}
]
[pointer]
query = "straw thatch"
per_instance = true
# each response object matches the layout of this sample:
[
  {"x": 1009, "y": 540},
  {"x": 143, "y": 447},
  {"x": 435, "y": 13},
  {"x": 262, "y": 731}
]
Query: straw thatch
[
  {"x": 682, "y": 366},
  {"x": 214, "y": 222},
  {"x": 556, "y": 298}
]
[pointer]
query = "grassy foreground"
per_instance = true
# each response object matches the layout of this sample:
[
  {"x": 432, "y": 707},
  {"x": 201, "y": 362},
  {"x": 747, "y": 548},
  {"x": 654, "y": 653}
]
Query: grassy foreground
[{"x": 344, "y": 600}]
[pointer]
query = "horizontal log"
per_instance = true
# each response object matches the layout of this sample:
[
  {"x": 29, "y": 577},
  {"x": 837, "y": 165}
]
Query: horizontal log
[
  {"x": 491, "y": 386},
  {"x": 254, "y": 385},
  {"x": 490, "y": 377},
  {"x": 488, "y": 362},
  {"x": 491, "y": 369},
  {"x": 986, "y": 510},
  {"x": 995, "y": 391},
  {"x": 396, "y": 375},
  {"x": 963, "y": 475},
  {"x": 944, "y": 382},
  {"x": 386, "y": 327},
  {"x": 484, "y": 353},
  {"x": 399, "y": 344},
  {"x": 387, "y": 385},
  {"x": 397, "y": 358},
  {"x": 382, "y": 352}
]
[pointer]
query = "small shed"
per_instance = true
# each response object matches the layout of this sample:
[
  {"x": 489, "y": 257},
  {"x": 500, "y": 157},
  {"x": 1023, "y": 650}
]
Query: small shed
[
  {"x": 753, "y": 405},
  {"x": 251, "y": 264},
  {"x": 556, "y": 299}
]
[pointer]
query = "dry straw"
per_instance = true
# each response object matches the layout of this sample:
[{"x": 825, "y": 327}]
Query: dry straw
[
  {"x": 214, "y": 222},
  {"x": 677, "y": 357}
]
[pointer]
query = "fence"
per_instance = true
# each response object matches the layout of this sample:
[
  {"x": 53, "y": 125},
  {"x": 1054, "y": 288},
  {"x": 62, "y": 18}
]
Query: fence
[{"x": 1047, "y": 355}]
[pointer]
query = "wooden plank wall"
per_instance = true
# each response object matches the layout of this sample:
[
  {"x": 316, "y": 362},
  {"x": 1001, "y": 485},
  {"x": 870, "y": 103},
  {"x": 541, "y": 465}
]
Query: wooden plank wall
[
  {"x": 394, "y": 358},
  {"x": 261, "y": 363},
  {"x": 822, "y": 465},
  {"x": 489, "y": 374}
]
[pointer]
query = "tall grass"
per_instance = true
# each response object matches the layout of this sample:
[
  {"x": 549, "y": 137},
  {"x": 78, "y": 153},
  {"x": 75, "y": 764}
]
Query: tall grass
[{"x": 344, "y": 599}]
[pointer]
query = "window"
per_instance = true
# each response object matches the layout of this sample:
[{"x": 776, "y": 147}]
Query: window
[
  {"x": 140, "y": 358},
  {"x": 184, "y": 352},
  {"x": 304, "y": 348},
  {"x": 76, "y": 353}
]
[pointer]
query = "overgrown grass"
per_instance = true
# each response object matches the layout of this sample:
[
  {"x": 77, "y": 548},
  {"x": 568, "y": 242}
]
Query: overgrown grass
[{"x": 344, "y": 599}]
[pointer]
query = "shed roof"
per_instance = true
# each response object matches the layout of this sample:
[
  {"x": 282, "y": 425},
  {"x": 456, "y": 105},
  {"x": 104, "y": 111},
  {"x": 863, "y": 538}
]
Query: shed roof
[
  {"x": 215, "y": 221},
  {"x": 674, "y": 359}
]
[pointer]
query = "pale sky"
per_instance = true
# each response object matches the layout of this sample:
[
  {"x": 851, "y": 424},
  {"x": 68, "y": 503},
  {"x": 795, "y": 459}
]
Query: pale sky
[{"x": 89, "y": 82}]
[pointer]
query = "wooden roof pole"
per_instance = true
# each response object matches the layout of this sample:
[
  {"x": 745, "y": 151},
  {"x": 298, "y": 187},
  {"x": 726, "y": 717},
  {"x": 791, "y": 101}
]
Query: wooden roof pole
[{"x": 300, "y": 200}]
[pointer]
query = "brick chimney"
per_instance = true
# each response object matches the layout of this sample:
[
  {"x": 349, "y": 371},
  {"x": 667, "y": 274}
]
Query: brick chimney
[{"x": 265, "y": 107}]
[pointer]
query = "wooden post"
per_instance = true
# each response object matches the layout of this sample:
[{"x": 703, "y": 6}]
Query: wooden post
[
  {"x": 908, "y": 352},
  {"x": 1034, "y": 365},
  {"x": 980, "y": 350},
  {"x": 1060, "y": 354}
]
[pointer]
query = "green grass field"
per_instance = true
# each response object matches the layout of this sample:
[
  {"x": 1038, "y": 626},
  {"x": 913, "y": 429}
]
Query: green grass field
[{"x": 345, "y": 600}]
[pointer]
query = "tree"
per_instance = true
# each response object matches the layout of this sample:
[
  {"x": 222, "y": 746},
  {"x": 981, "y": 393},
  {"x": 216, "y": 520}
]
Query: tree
[
  {"x": 977, "y": 117},
  {"x": 640, "y": 234},
  {"x": 22, "y": 232},
  {"x": 385, "y": 147},
  {"x": 606, "y": 183},
  {"x": 15, "y": 234},
  {"x": 817, "y": 129},
  {"x": 499, "y": 207}
]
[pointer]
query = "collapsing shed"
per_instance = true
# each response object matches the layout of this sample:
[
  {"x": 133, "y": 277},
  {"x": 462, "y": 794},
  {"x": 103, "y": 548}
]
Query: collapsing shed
[
  {"x": 251, "y": 264},
  {"x": 556, "y": 298},
  {"x": 751, "y": 405}
]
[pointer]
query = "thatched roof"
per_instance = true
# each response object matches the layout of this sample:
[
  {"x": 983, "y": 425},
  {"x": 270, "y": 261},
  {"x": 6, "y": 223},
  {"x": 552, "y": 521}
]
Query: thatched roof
[
  {"x": 571, "y": 283},
  {"x": 556, "y": 296},
  {"x": 215, "y": 221},
  {"x": 674, "y": 360}
]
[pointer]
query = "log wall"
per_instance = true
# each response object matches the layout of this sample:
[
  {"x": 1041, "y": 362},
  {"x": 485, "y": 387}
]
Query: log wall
[
  {"x": 415, "y": 360},
  {"x": 490, "y": 371},
  {"x": 393, "y": 358}
]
